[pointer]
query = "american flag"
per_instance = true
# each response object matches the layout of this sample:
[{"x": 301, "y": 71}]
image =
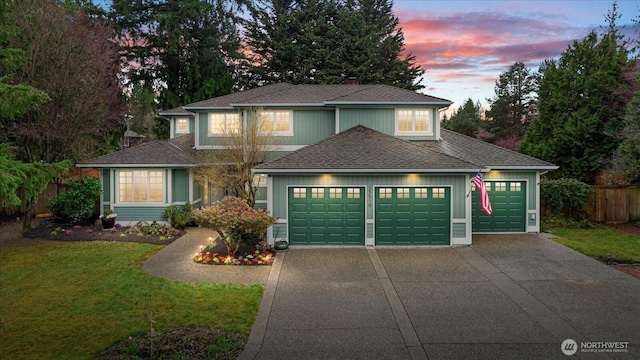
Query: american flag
[{"x": 484, "y": 197}]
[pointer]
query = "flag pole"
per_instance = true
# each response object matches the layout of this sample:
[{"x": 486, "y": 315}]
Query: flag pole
[{"x": 471, "y": 187}]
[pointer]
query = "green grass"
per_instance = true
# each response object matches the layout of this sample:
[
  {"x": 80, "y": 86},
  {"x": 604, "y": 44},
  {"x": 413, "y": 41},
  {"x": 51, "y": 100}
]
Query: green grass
[
  {"x": 73, "y": 300},
  {"x": 601, "y": 242}
]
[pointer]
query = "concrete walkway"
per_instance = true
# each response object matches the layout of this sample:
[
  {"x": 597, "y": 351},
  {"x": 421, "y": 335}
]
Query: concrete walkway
[{"x": 505, "y": 297}]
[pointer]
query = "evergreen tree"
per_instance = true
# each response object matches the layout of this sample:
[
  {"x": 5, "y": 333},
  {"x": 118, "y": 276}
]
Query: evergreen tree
[
  {"x": 580, "y": 113},
  {"x": 183, "y": 50},
  {"x": 465, "y": 120},
  {"x": 327, "y": 42},
  {"x": 514, "y": 104}
]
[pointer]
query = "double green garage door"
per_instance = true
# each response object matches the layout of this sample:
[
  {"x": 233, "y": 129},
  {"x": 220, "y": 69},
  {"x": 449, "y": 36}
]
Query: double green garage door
[{"x": 336, "y": 215}]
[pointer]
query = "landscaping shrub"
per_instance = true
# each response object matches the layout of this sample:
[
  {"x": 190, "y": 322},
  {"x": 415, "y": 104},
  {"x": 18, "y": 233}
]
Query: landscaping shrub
[
  {"x": 564, "y": 198},
  {"x": 77, "y": 204},
  {"x": 234, "y": 220},
  {"x": 179, "y": 215}
]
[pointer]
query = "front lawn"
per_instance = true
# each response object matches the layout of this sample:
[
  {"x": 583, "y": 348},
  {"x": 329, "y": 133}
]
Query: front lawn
[
  {"x": 601, "y": 242},
  {"x": 73, "y": 300}
]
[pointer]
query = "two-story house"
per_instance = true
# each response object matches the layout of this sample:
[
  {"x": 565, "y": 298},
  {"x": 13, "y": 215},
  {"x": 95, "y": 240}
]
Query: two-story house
[{"x": 355, "y": 165}]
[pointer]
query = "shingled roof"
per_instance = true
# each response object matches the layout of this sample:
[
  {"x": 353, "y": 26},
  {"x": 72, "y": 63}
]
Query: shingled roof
[
  {"x": 159, "y": 153},
  {"x": 483, "y": 153},
  {"x": 315, "y": 95},
  {"x": 361, "y": 149}
]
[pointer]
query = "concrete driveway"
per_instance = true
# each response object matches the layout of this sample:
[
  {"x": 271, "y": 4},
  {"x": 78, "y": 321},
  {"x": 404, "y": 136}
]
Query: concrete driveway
[{"x": 504, "y": 297}]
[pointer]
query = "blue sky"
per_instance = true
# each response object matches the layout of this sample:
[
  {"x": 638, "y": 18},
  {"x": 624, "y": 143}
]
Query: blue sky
[{"x": 464, "y": 45}]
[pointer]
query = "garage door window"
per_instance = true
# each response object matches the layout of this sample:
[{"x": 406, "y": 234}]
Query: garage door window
[
  {"x": 501, "y": 186},
  {"x": 299, "y": 193},
  {"x": 317, "y": 193},
  {"x": 385, "y": 193},
  {"x": 515, "y": 186},
  {"x": 421, "y": 193},
  {"x": 335, "y": 193},
  {"x": 438, "y": 193},
  {"x": 353, "y": 193},
  {"x": 403, "y": 193}
]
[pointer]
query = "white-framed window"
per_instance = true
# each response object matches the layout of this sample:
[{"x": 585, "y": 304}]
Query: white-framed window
[
  {"x": 182, "y": 125},
  {"x": 224, "y": 123},
  {"x": 335, "y": 193},
  {"x": 299, "y": 193},
  {"x": 278, "y": 122},
  {"x": 413, "y": 122},
  {"x": 140, "y": 186}
]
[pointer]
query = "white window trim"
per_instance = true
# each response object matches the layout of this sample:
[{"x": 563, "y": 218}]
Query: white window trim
[
  {"x": 429, "y": 132},
  {"x": 280, "y": 133},
  {"x": 226, "y": 118},
  {"x": 139, "y": 203},
  {"x": 177, "y": 128}
]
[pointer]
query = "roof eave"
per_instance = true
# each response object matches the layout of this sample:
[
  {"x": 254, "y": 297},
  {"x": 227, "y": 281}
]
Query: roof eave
[
  {"x": 85, "y": 165},
  {"x": 360, "y": 171},
  {"x": 507, "y": 167}
]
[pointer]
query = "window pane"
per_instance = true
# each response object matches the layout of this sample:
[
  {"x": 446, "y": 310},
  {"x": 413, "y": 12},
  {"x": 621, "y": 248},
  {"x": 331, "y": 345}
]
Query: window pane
[
  {"x": 183, "y": 125},
  {"x": 216, "y": 123},
  {"x": 404, "y": 120},
  {"x": 266, "y": 122},
  {"x": 155, "y": 186},
  {"x": 317, "y": 193},
  {"x": 385, "y": 193},
  {"x": 501, "y": 186},
  {"x": 403, "y": 193},
  {"x": 353, "y": 193},
  {"x": 421, "y": 193},
  {"x": 125, "y": 186},
  {"x": 515, "y": 186},
  {"x": 438, "y": 193},
  {"x": 282, "y": 122},
  {"x": 233, "y": 123},
  {"x": 335, "y": 193},
  {"x": 422, "y": 120},
  {"x": 299, "y": 193}
]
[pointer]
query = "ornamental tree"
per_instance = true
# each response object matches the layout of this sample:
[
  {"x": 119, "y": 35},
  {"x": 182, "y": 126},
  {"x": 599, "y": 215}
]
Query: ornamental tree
[{"x": 232, "y": 218}]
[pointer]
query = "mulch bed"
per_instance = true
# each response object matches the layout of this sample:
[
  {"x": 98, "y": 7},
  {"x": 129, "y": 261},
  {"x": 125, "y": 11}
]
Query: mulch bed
[{"x": 51, "y": 230}]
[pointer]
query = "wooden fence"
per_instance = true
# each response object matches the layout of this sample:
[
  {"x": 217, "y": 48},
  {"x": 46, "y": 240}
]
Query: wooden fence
[{"x": 614, "y": 204}]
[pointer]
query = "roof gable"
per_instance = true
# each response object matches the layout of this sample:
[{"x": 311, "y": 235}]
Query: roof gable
[
  {"x": 176, "y": 151},
  {"x": 361, "y": 149},
  {"x": 285, "y": 94},
  {"x": 484, "y": 153}
]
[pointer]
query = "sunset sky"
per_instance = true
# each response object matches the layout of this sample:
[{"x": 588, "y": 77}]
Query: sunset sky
[{"x": 464, "y": 45}]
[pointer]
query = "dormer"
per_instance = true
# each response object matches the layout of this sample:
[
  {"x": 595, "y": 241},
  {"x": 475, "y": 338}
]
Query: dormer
[{"x": 181, "y": 121}]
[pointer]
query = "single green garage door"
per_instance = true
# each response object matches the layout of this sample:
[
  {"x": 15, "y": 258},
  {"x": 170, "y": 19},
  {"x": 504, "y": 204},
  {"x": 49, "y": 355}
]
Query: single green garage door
[
  {"x": 413, "y": 216},
  {"x": 508, "y": 200},
  {"x": 326, "y": 216}
]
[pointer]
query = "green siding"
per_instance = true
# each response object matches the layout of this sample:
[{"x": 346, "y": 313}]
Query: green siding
[
  {"x": 459, "y": 187},
  {"x": 106, "y": 185},
  {"x": 382, "y": 120},
  {"x": 310, "y": 126},
  {"x": 140, "y": 213},
  {"x": 459, "y": 230},
  {"x": 279, "y": 231},
  {"x": 180, "y": 185}
]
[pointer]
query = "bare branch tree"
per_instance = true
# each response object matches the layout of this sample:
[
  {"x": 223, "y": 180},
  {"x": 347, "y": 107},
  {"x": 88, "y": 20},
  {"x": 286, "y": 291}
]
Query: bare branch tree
[{"x": 239, "y": 148}]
